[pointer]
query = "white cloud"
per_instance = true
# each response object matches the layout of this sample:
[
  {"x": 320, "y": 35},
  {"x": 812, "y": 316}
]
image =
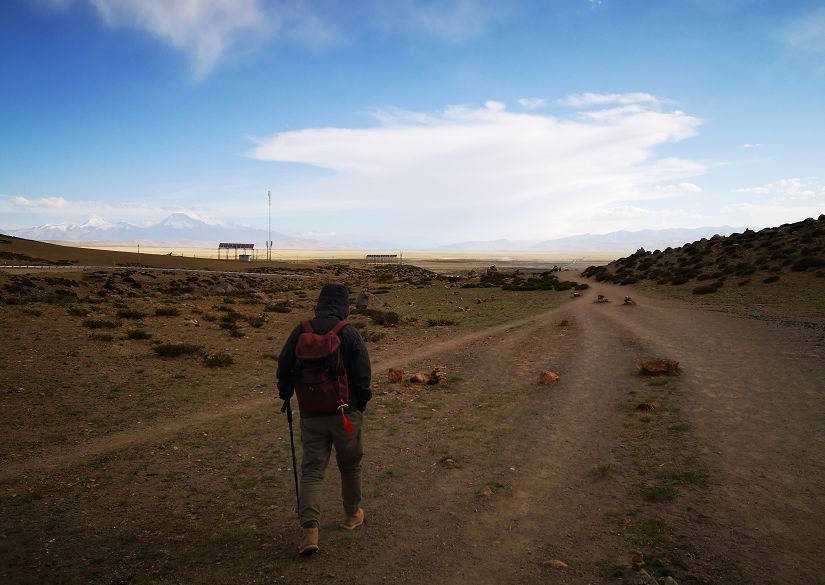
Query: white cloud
[
  {"x": 749, "y": 145},
  {"x": 206, "y": 29},
  {"x": 793, "y": 189},
  {"x": 678, "y": 189},
  {"x": 486, "y": 169},
  {"x": 580, "y": 100},
  {"x": 532, "y": 103},
  {"x": 42, "y": 203}
]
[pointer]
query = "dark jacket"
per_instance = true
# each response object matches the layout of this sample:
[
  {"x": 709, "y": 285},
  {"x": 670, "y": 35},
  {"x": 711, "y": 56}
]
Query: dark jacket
[{"x": 333, "y": 306}]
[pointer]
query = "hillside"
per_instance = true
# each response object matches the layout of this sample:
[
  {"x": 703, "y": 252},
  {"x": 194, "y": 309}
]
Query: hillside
[{"x": 741, "y": 258}]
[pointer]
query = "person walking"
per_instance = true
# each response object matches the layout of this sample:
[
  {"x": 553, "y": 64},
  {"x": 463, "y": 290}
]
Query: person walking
[{"x": 325, "y": 363}]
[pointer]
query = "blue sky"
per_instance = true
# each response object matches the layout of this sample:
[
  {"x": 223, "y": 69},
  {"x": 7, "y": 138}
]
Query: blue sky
[{"x": 414, "y": 122}]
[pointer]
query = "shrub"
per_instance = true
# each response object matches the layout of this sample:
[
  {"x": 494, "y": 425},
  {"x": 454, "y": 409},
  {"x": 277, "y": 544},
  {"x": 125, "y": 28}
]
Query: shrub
[
  {"x": 771, "y": 279},
  {"x": 101, "y": 337},
  {"x": 138, "y": 334},
  {"x": 32, "y": 312},
  {"x": 218, "y": 360},
  {"x": 167, "y": 311},
  {"x": 256, "y": 322},
  {"x": 130, "y": 314},
  {"x": 385, "y": 318},
  {"x": 277, "y": 308},
  {"x": 78, "y": 311},
  {"x": 803, "y": 264},
  {"x": 175, "y": 349},
  {"x": 236, "y": 332},
  {"x": 705, "y": 289},
  {"x": 439, "y": 322},
  {"x": 99, "y": 324},
  {"x": 679, "y": 280}
]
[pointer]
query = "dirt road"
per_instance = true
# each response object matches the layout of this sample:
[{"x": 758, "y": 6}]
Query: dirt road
[
  {"x": 717, "y": 474},
  {"x": 750, "y": 396}
]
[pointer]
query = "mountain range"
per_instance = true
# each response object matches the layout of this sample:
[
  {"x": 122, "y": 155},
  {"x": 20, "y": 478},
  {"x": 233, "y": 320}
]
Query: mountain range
[{"x": 181, "y": 229}]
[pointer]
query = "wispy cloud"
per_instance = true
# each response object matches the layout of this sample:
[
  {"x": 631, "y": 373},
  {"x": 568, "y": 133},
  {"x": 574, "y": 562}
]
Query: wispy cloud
[
  {"x": 749, "y": 145},
  {"x": 49, "y": 203},
  {"x": 583, "y": 100},
  {"x": 807, "y": 33},
  {"x": 793, "y": 189},
  {"x": 532, "y": 103},
  {"x": 489, "y": 166},
  {"x": 449, "y": 20},
  {"x": 678, "y": 189}
]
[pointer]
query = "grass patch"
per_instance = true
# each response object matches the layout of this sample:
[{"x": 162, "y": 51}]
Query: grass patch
[
  {"x": 167, "y": 311},
  {"x": 101, "y": 337},
  {"x": 218, "y": 360},
  {"x": 658, "y": 493},
  {"x": 440, "y": 322},
  {"x": 32, "y": 312},
  {"x": 138, "y": 334},
  {"x": 277, "y": 308},
  {"x": 130, "y": 314},
  {"x": 78, "y": 311},
  {"x": 604, "y": 470}
]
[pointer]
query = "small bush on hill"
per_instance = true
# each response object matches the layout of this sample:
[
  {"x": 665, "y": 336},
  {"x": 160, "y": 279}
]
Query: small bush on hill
[
  {"x": 771, "y": 279},
  {"x": 130, "y": 314},
  {"x": 167, "y": 311},
  {"x": 440, "y": 322},
  {"x": 78, "y": 311},
  {"x": 277, "y": 308},
  {"x": 138, "y": 334},
  {"x": 218, "y": 360},
  {"x": 803, "y": 264}
]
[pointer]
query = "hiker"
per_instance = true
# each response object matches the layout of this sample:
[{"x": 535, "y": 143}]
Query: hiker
[{"x": 331, "y": 399}]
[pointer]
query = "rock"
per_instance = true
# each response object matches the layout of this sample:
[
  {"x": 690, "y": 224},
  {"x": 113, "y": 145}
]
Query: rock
[
  {"x": 437, "y": 376},
  {"x": 395, "y": 376},
  {"x": 658, "y": 366},
  {"x": 564, "y": 323},
  {"x": 486, "y": 491},
  {"x": 548, "y": 377},
  {"x": 640, "y": 577},
  {"x": 554, "y": 563},
  {"x": 645, "y": 406},
  {"x": 576, "y": 294},
  {"x": 671, "y": 581},
  {"x": 601, "y": 299},
  {"x": 194, "y": 322},
  {"x": 368, "y": 301},
  {"x": 222, "y": 288},
  {"x": 629, "y": 301},
  {"x": 417, "y": 379}
]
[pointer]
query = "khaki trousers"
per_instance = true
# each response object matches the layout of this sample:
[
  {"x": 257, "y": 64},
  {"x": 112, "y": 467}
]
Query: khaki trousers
[{"x": 318, "y": 436}]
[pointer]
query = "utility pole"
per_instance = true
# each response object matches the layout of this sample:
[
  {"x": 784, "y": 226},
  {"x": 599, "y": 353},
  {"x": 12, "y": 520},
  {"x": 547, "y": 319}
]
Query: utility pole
[{"x": 269, "y": 241}]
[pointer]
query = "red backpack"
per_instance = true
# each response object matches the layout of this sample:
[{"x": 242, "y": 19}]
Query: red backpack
[{"x": 321, "y": 381}]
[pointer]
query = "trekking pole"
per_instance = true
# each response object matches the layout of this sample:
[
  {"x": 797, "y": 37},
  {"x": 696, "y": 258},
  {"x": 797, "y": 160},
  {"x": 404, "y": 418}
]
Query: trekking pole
[{"x": 288, "y": 408}]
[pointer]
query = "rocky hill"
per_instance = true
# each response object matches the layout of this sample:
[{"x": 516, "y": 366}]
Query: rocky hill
[{"x": 741, "y": 258}]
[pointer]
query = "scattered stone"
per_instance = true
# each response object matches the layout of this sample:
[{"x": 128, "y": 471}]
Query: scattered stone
[
  {"x": 554, "y": 563},
  {"x": 437, "y": 376},
  {"x": 450, "y": 463},
  {"x": 548, "y": 377},
  {"x": 368, "y": 301},
  {"x": 645, "y": 406},
  {"x": 487, "y": 491},
  {"x": 492, "y": 270},
  {"x": 637, "y": 575},
  {"x": 222, "y": 288},
  {"x": 601, "y": 299},
  {"x": 395, "y": 376},
  {"x": 564, "y": 323},
  {"x": 576, "y": 294},
  {"x": 194, "y": 322},
  {"x": 417, "y": 379},
  {"x": 656, "y": 366},
  {"x": 629, "y": 301}
]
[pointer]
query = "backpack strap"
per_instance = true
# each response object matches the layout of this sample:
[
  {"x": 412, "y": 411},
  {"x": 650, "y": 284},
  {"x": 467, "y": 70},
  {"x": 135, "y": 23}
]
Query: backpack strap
[
  {"x": 338, "y": 326},
  {"x": 307, "y": 326}
]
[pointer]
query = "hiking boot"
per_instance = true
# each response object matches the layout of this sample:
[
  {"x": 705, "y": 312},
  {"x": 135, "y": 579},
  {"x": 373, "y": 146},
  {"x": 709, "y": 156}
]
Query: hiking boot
[
  {"x": 354, "y": 521},
  {"x": 309, "y": 542}
]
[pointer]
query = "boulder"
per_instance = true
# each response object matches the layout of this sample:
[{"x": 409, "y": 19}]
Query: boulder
[
  {"x": 547, "y": 377},
  {"x": 395, "y": 376},
  {"x": 437, "y": 376},
  {"x": 629, "y": 301},
  {"x": 555, "y": 564},
  {"x": 222, "y": 288},
  {"x": 656, "y": 366},
  {"x": 368, "y": 301},
  {"x": 417, "y": 379}
]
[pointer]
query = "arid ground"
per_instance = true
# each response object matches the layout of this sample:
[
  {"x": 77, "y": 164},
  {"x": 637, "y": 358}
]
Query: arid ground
[{"x": 123, "y": 463}]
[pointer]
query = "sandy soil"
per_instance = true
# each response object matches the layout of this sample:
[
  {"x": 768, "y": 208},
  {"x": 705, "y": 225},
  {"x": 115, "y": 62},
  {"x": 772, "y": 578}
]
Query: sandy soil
[{"x": 721, "y": 481}]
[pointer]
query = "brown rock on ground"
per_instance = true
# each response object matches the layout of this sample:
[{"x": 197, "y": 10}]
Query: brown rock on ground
[
  {"x": 629, "y": 301},
  {"x": 437, "y": 376},
  {"x": 658, "y": 366},
  {"x": 554, "y": 563},
  {"x": 395, "y": 376},
  {"x": 564, "y": 323},
  {"x": 547, "y": 377},
  {"x": 417, "y": 379}
]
